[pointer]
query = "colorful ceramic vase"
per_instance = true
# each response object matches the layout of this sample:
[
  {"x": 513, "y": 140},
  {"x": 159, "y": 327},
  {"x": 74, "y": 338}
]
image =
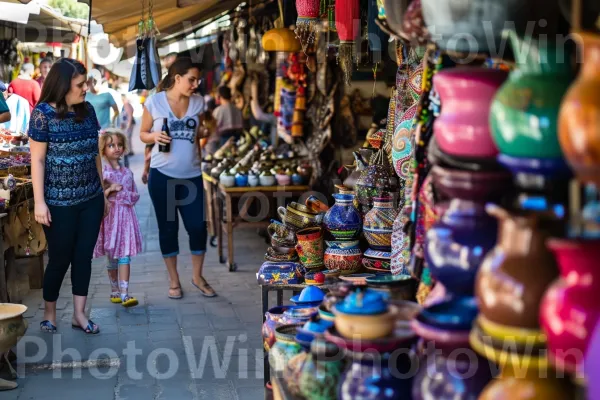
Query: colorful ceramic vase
[
  {"x": 515, "y": 274},
  {"x": 347, "y": 260},
  {"x": 448, "y": 368},
  {"x": 321, "y": 371},
  {"x": 273, "y": 318},
  {"x": 310, "y": 247},
  {"x": 343, "y": 221},
  {"x": 570, "y": 309},
  {"x": 457, "y": 244},
  {"x": 378, "y": 223},
  {"x": 285, "y": 347},
  {"x": 524, "y": 114},
  {"x": 579, "y": 126},
  {"x": 375, "y": 181},
  {"x": 463, "y": 128},
  {"x": 472, "y": 26},
  {"x": 369, "y": 376}
]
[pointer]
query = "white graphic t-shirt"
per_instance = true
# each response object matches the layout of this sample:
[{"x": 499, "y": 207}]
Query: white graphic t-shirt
[{"x": 183, "y": 161}]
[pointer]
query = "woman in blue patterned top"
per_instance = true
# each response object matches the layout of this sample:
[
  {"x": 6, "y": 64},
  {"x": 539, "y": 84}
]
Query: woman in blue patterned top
[{"x": 68, "y": 192}]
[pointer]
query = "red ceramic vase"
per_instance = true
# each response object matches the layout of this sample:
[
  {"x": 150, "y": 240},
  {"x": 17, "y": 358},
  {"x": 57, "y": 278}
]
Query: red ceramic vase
[
  {"x": 571, "y": 306},
  {"x": 463, "y": 128}
]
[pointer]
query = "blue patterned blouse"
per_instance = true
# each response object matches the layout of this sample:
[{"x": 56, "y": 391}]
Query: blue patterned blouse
[{"x": 71, "y": 174}]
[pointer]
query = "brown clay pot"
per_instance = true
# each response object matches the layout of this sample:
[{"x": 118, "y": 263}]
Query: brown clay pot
[{"x": 515, "y": 274}]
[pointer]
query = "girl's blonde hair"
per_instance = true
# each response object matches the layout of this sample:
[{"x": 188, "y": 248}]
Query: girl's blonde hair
[{"x": 108, "y": 137}]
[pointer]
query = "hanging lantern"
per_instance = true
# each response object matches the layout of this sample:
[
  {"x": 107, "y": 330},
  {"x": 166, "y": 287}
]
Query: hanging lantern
[
  {"x": 347, "y": 23},
  {"x": 308, "y": 20}
]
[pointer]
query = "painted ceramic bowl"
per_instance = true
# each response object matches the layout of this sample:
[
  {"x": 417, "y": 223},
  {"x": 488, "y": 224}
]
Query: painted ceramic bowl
[
  {"x": 326, "y": 314},
  {"x": 314, "y": 278},
  {"x": 376, "y": 264},
  {"x": 339, "y": 245},
  {"x": 378, "y": 254},
  {"x": 347, "y": 261},
  {"x": 280, "y": 273},
  {"x": 366, "y": 327},
  {"x": 386, "y": 344}
]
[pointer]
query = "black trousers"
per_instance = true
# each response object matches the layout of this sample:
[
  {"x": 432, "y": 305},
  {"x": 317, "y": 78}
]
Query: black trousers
[{"x": 71, "y": 237}]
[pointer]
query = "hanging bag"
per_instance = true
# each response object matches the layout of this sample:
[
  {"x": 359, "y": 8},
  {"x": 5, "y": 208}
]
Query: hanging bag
[{"x": 140, "y": 75}]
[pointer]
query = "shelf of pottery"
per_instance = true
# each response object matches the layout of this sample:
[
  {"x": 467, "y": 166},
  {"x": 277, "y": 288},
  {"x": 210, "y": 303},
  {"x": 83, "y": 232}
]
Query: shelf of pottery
[{"x": 513, "y": 158}]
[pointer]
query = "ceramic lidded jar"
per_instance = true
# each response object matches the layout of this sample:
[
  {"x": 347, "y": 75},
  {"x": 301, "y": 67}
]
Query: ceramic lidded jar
[
  {"x": 570, "y": 309},
  {"x": 462, "y": 129},
  {"x": 517, "y": 271},
  {"x": 285, "y": 347},
  {"x": 579, "y": 119},
  {"x": 457, "y": 244},
  {"x": 375, "y": 181},
  {"x": 524, "y": 114},
  {"x": 321, "y": 371},
  {"x": 378, "y": 223},
  {"x": 481, "y": 21},
  {"x": 342, "y": 220}
]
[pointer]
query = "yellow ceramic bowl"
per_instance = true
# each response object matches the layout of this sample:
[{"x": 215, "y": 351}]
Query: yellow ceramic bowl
[
  {"x": 516, "y": 335},
  {"x": 365, "y": 327}
]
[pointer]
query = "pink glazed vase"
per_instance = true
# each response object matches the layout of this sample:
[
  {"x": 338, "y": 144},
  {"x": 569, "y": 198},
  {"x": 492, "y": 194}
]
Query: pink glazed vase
[
  {"x": 463, "y": 127},
  {"x": 570, "y": 308}
]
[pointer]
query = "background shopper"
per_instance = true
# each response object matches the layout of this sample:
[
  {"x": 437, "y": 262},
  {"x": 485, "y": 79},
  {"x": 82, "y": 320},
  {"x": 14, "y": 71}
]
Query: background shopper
[{"x": 25, "y": 86}]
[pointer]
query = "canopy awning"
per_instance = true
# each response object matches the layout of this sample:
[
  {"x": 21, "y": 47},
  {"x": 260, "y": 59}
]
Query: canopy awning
[
  {"x": 40, "y": 23},
  {"x": 120, "y": 18}
]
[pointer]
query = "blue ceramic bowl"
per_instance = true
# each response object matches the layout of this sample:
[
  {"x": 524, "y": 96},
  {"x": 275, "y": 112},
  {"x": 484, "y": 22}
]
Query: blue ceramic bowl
[
  {"x": 339, "y": 245},
  {"x": 241, "y": 180},
  {"x": 310, "y": 294},
  {"x": 363, "y": 302},
  {"x": 456, "y": 314}
]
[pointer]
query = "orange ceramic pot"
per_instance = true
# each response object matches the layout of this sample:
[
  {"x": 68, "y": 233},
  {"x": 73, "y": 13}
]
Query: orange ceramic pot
[{"x": 579, "y": 118}]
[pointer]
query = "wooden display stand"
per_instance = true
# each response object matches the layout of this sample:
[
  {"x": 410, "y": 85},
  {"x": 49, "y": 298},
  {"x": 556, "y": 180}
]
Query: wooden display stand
[{"x": 247, "y": 195}]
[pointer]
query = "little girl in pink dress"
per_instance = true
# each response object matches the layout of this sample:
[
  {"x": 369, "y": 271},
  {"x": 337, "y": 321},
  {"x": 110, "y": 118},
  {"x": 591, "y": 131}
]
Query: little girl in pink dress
[{"x": 120, "y": 237}]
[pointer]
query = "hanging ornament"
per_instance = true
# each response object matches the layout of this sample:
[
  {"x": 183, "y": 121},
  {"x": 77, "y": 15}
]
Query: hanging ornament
[
  {"x": 347, "y": 23},
  {"x": 308, "y": 20}
]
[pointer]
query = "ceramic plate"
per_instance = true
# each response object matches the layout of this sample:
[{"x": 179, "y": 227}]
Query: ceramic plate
[
  {"x": 389, "y": 280},
  {"x": 357, "y": 279},
  {"x": 382, "y": 255}
]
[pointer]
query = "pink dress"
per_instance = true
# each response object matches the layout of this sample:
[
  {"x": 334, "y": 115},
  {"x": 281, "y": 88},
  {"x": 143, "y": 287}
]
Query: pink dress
[{"x": 120, "y": 234}]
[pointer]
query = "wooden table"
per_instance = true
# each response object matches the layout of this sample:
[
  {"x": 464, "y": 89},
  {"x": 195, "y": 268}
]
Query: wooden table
[
  {"x": 265, "y": 289},
  {"x": 247, "y": 196}
]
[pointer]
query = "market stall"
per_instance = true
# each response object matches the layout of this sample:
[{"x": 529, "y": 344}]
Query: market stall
[{"x": 457, "y": 260}]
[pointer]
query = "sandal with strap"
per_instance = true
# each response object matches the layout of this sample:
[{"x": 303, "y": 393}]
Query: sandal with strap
[
  {"x": 47, "y": 326},
  {"x": 90, "y": 329},
  {"x": 115, "y": 298},
  {"x": 206, "y": 289},
  {"x": 129, "y": 302},
  {"x": 176, "y": 297}
]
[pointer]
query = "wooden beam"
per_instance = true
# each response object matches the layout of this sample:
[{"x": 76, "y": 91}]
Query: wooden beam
[{"x": 187, "y": 3}]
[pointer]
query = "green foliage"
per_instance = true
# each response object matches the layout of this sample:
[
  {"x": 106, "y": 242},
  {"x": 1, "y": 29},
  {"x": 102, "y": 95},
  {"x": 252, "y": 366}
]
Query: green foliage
[{"x": 70, "y": 8}]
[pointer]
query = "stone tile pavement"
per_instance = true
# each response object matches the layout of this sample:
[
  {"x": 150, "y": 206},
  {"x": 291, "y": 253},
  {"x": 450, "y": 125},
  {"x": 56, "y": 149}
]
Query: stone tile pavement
[{"x": 193, "y": 348}]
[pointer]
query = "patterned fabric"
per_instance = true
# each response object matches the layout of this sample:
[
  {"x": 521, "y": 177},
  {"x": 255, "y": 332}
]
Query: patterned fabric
[
  {"x": 120, "y": 234},
  {"x": 409, "y": 82},
  {"x": 71, "y": 176}
]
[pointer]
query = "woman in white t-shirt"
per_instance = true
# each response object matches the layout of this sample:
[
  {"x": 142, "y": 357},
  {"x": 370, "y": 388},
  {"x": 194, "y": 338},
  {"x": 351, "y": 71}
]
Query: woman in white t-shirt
[{"x": 175, "y": 179}]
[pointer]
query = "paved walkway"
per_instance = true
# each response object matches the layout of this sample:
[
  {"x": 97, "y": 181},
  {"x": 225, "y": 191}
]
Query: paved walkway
[{"x": 193, "y": 348}]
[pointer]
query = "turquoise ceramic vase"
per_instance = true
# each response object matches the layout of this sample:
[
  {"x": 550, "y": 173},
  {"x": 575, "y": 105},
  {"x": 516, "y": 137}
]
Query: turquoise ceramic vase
[{"x": 524, "y": 113}]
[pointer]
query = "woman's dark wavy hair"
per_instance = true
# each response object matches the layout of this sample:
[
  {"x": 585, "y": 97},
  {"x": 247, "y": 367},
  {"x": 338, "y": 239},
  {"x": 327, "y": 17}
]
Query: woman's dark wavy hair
[
  {"x": 180, "y": 66},
  {"x": 58, "y": 84}
]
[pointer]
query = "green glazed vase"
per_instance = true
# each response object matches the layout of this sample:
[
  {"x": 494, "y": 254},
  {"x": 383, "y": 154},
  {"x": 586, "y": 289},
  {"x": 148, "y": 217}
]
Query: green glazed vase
[
  {"x": 321, "y": 371},
  {"x": 524, "y": 113}
]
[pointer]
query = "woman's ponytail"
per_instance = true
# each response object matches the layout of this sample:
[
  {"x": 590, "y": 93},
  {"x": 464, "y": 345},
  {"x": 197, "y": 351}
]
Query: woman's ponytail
[{"x": 165, "y": 84}]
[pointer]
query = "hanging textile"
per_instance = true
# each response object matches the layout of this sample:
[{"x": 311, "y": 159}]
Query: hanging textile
[
  {"x": 146, "y": 72},
  {"x": 377, "y": 38},
  {"x": 347, "y": 23},
  {"x": 308, "y": 20}
]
